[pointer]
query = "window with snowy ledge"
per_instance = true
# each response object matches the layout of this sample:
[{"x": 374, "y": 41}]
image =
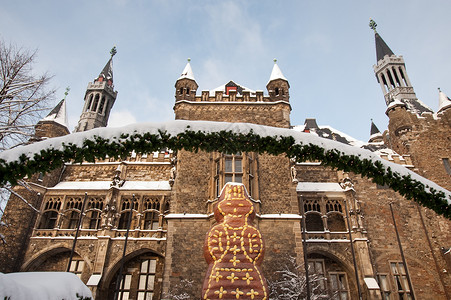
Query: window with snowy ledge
[{"x": 239, "y": 167}]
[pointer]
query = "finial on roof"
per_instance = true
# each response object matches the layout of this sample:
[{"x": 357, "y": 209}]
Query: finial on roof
[
  {"x": 275, "y": 60},
  {"x": 189, "y": 59},
  {"x": 373, "y": 25},
  {"x": 66, "y": 92},
  {"x": 113, "y": 51},
  {"x": 439, "y": 90}
]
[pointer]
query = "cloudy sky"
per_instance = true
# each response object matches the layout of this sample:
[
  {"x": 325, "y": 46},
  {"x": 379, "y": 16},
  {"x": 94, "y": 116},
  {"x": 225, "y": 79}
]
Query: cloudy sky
[{"x": 324, "y": 48}]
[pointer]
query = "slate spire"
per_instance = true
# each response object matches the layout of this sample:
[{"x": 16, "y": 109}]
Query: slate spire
[
  {"x": 107, "y": 71},
  {"x": 382, "y": 48},
  {"x": 375, "y": 134}
]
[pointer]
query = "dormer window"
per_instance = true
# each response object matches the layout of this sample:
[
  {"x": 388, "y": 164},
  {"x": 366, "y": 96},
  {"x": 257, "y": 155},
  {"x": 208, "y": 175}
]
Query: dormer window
[{"x": 230, "y": 88}]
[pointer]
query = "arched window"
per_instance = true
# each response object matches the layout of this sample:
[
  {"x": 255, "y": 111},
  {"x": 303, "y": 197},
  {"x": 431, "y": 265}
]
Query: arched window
[
  {"x": 96, "y": 203},
  {"x": 123, "y": 220},
  {"x": 53, "y": 203},
  {"x": 151, "y": 220},
  {"x": 127, "y": 202},
  {"x": 73, "y": 219},
  {"x": 96, "y": 102},
  {"x": 48, "y": 220},
  {"x": 336, "y": 223},
  {"x": 74, "y": 203},
  {"x": 102, "y": 104},
  {"x": 141, "y": 279},
  {"x": 88, "y": 107},
  {"x": 94, "y": 219},
  {"x": 314, "y": 222},
  {"x": 276, "y": 91}
]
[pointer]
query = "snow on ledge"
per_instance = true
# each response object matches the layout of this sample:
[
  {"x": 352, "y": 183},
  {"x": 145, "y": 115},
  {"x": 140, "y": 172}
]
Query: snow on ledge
[
  {"x": 42, "y": 286},
  {"x": 319, "y": 187},
  {"x": 281, "y": 216},
  {"x": 106, "y": 185},
  {"x": 187, "y": 216}
]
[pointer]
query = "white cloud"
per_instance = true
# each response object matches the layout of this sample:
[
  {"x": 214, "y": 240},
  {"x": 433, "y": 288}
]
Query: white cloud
[{"x": 121, "y": 118}]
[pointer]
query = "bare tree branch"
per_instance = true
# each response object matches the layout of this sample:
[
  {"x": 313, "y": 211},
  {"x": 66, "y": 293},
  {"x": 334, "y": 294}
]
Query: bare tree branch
[{"x": 24, "y": 97}]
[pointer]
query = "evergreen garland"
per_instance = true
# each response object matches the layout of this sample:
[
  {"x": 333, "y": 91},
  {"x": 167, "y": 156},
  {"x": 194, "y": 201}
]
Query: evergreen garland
[{"x": 226, "y": 142}]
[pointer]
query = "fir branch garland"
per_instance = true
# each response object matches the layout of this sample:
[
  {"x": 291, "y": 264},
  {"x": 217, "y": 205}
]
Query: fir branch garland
[{"x": 227, "y": 142}]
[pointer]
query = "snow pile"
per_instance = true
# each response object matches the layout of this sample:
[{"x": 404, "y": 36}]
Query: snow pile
[{"x": 42, "y": 286}]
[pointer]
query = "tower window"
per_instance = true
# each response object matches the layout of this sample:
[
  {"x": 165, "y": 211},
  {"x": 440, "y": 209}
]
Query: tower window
[
  {"x": 277, "y": 91},
  {"x": 447, "y": 165},
  {"x": 102, "y": 104},
  {"x": 88, "y": 107},
  {"x": 96, "y": 102}
]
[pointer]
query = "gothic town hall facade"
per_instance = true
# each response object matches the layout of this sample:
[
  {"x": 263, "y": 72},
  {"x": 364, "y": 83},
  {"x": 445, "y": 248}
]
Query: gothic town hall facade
[{"x": 366, "y": 242}]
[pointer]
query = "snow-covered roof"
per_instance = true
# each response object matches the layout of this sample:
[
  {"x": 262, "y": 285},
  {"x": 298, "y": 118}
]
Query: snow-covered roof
[
  {"x": 328, "y": 132},
  {"x": 276, "y": 73},
  {"x": 240, "y": 89},
  {"x": 105, "y": 185},
  {"x": 58, "y": 114},
  {"x": 42, "y": 286},
  {"x": 187, "y": 72}
]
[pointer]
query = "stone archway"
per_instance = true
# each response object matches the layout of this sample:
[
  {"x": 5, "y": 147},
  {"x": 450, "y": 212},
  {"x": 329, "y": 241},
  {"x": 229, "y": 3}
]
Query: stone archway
[
  {"x": 56, "y": 259},
  {"x": 141, "y": 277},
  {"x": 333, "y": 274}
]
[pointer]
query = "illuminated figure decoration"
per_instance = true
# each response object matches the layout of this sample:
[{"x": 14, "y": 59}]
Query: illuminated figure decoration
[{"x": 234, "y": 249}]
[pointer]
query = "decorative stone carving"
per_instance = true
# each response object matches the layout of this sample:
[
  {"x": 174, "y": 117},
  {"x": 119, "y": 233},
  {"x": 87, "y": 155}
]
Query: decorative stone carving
[{"x": 234, "y": 250}]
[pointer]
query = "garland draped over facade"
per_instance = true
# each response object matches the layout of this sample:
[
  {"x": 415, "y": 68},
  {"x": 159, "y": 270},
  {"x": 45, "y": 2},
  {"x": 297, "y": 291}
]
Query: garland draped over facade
[{"x": 120, "y": 146}]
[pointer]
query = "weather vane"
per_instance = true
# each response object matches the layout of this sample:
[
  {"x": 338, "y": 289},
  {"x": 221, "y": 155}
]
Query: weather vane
[
  {"x": 373, "y": 25},
  {"x": 66, "y": 92},
  {"x": 113, "y": 51}
]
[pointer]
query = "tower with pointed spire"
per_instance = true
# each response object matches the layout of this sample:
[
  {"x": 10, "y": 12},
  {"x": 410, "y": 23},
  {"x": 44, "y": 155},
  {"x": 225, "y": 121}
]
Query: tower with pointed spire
[
  {"x": 186, "y": 86},
  {"x": 391, "y": 74},
  {"x": 278, "y": 86},
  {"x": 99, "y": 99}
]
